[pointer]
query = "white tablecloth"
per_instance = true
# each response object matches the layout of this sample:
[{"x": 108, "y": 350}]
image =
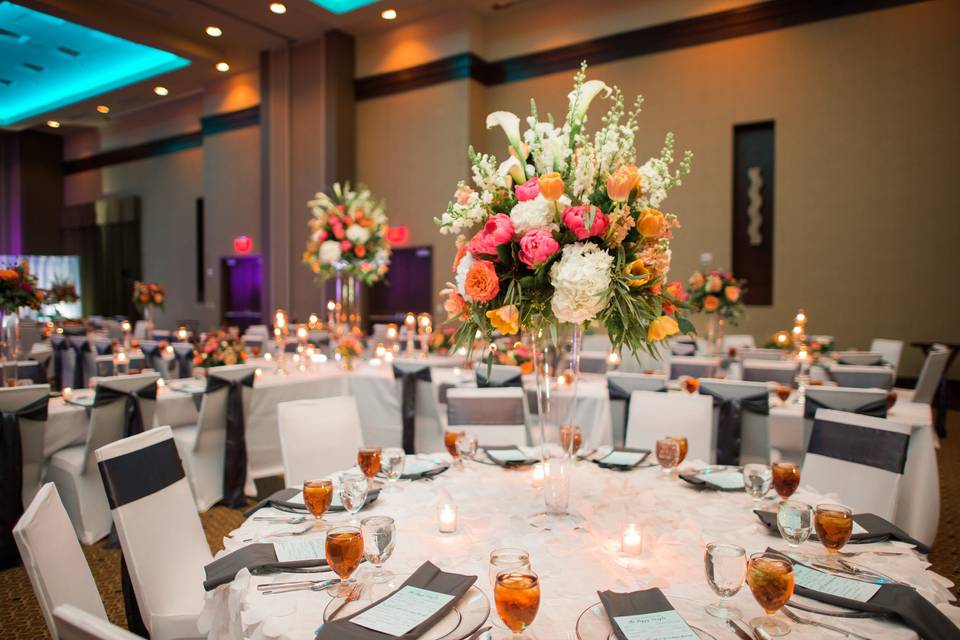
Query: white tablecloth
[{"x": 676, "y": 520}]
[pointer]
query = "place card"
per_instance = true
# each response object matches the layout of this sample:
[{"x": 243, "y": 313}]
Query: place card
[
  {"x": 833, "y": 585},
  {"x": 662, "y": 625},
  {"x": 857, "y": 529},
  {"x": 414, "y": 467},
  {"x": 723, "y": 479},
  {"x": 402, "y": 611},
  {"x": 507, "y": 455},
  {"x": 297, "y": 499},
  {"x": 622, "y": 458},
  {"x": 309, "y": 549}
]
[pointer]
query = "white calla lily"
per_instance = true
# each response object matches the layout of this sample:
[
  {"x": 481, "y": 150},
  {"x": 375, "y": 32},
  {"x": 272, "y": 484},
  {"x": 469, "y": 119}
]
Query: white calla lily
[
  {"x": 513, "y": 168},
  {"x": 580, "y": 102},
  {"x": 510, "y": 124}
]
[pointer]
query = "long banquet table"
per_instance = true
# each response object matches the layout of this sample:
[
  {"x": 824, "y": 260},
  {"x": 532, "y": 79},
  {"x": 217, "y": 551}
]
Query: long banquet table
[{"x": 677, "y": 521}]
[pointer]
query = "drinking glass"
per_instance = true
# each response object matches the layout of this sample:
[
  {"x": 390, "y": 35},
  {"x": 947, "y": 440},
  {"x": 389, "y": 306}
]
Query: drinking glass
[
  {"x": 353, "y": 492},
  {"x": 571, "y": 439},
  {"x": 834, "y": 525},
  {"x": 450, "y": 442},
  {"x": 783, "y": 392},
  {"x": 726, "y": 568},
  {"x": 317, "y": 495},
  {"x": 795, "y": 522},
  {"x": 786, "y": 478},
  {"x": 668, "y": 455},
  {"x": 392, "y": 461},
  {"x": 757, "y": 479},
  {"x": 770, "y": 577},
  {"x": 517, "y": 596},
  {"x": 379, "y": 539},
  {"x": 344, "y": 547},
  {"x": 368, "y": 459},
  {"x": 556, "y": 485},
  {"x": 467, "y": 446},
  {"x": 507, "y": 559},
  {"x": 682, "y": 441}
]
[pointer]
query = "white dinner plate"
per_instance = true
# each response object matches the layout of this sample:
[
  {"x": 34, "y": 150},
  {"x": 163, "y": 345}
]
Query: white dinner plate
[
  {"x": 466, "y": 616},
  {"x": 594, "y": 624}
]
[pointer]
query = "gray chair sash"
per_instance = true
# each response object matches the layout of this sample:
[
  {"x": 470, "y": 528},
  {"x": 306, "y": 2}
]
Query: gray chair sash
[
  {"x": 104, "y": 348},
  {"x": 879, "y": 448},
  {"x": 443, "y": 390},
  {"x": 184, "y": 358},
  {"x": 729, "y": 422},
  {"x": 235, "y": 450},
  {"x": 11, "y": 476},
  {"x": 408, "y": 401},
  {"x": 78, "y": 366},
  {"x": 133, "y": 419},
  {"x": 59, "y": 344},
  {"x": 483, "y": 382},
  {"x": 151, "y": 354},
  {"x": 619, "y": 393},
  {"x": 480, "y": 410},
  {"x": 875, "y": 408}
]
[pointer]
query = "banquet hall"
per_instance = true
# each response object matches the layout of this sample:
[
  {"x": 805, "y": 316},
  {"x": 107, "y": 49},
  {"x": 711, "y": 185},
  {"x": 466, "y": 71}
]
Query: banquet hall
[{"x": 479, "y": 319}]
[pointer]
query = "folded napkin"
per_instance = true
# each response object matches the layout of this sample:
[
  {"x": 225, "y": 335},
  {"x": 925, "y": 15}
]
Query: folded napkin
[
  {"x": 878, "y": 529},
  {"x": 638, "y": 603},
  {"x": 692, "y": 477},
  {"x": 905, "y": 602},
  {"x": 505, "y": 452},
  {"x": 610, "y": 460},
  {"x": 280, "y": 500},
  {"x": 427, "y": 577},
  {"x": 435, "y": 470},
  {"x": 261, "y": 555}
]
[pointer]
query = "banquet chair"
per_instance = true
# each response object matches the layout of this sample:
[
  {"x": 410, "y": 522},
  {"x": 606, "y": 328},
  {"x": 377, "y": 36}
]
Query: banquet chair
[
  {"x": 891, "y": 351},
  {"x": 31, "y": 333},
  {"x": 53, "y": 559},
  {"x": 854, "y": 400},
  {"x": 659, "y": 415},
  {"x": 860, "y": 457},
  {"x": 645, "y": 362},
  {"x": 495, "y": 415},
  {"x": 202, "y": 446},
  {"x": 419, "y": 412},
  {"x": 682, "y": 347},
  {"x": 183, "y": 355},
  {"x": 154, "y": 359},
  {"x": 860, "y": 358},
  {"x": 781, "y": 371},
  {"x": 928, "y": 383},
  {"x": 761, "y": 354},
  {"x": 26, "y": 371},
  {"x": 753, "y": 399},
  {"x": 74, "y": 470},
  {"x": 318, "y": 437},
  {"x": 694, "y": 366},
  {"x": 76, "y": 624},
  {"x": 31, "y": 402},
  {"x": 620, "y": 385},
  {"x": 501, "y": 375},
  {"x": 112, "y": 329},
  {"x": 596, "y": 342},
  {"x": 594, "y": 361},
  {"x": 862, "y": 377},
  {"x": 738, "y": 341},
  {"x": 164, "y": 547}
]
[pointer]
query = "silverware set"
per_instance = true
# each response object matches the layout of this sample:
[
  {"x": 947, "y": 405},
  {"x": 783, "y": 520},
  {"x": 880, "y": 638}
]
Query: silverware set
[
  {"x": 807, "y": 621},
  {"x": 281, "y": 519},
  {"x": 298, "y": 585}
]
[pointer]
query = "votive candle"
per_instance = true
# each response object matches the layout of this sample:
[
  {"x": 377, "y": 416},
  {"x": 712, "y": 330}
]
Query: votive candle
[
  {"x": 448, "y": 517},
  {"x": 631, "y": 542},
  {"x": 536, "y": 476}
]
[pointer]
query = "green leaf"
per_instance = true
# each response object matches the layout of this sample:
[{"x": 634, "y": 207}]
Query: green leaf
[
  {"x": 503, "y": 251},
  {"x": 686, "y": 327}
]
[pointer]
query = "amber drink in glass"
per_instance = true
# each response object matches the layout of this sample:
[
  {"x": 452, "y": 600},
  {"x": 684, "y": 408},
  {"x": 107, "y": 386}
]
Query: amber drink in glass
[
  {"x": 368, "y": 459},
  {"x": 786, "y": 479},
  {"x": 317, "y": 495},
  {"x": 834, "y": 525},
  {"x": 770, "y": 578},
  {"x": 344, "y": 547},
  {"x": 517, "y": 596}
]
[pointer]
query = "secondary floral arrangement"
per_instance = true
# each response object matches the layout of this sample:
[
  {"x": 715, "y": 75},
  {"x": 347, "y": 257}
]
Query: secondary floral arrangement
[
  {"x": 515, "y": 353},
  {"x": 816, "y": 345},
  {"x": 348, "y": 231},
  {"x": 18, "y": 288},
  {"x": 349, "y": 346},
  {"x": 441, "y": 340},
  {"x": 62, "y": 291},
  {"x": 148, "y": 294},
  {"x": 716, "y": 291},
  {"x": 568, "y": 228},
  {"x": 220, "y": 349}
]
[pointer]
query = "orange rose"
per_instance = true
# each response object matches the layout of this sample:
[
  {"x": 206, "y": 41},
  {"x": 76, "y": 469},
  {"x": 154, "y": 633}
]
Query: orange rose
[
  {"x": 482, "y": 283},
  {"x": 454, "y": 305},
  {"x": 506, "y": 319},
  {"x": 711, "y": 303},
  {"x": 8, "y": 274},
  {"x": 551, "y": 186},
  {"x": 360, "y": 250},
  {"x": 732, "y": 293},
  {"x": 622, "y": 182},
  {"x": 662, "y": 327},
  {"x": 651, "y": 223}
]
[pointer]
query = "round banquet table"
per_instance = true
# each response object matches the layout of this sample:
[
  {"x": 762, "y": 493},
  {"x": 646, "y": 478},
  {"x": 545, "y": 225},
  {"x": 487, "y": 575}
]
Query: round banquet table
[{"x": 677, "y": 521}]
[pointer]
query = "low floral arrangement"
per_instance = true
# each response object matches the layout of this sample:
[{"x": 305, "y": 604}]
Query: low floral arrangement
[
  {"x": 516, "y": 354},
  {"x": 349, "y": 346},
  {"x": 569, "y": 229},
  {"x": 441, "y": 340},
  {"x": 18, "y": 288},
  {"x": 62, "y": 291},
  {"x": 816, "y": 345},
  {"x": 716, "y": 291},
  {"x": 148, "y": 294},
  {"x": 348, "y": 231},
  {"x": 221, "y": 348}
]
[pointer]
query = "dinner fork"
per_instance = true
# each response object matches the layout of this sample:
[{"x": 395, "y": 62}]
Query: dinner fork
[
  {"x": 849, "y": 634},
  {"x": 318, "y": 585},
  {"x": 352, "y": 594},
  {"x": 885, "y": 554},
  {"x": 285, "y": 533}
]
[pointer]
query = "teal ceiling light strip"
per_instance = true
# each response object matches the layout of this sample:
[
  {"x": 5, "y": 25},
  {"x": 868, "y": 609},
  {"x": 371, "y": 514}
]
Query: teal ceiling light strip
[{"x": 342, "y": 6}]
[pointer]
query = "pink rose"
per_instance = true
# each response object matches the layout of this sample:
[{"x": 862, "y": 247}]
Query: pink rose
[
  {"x": 575, "y": 219},
  {"x": 528, "y": 190},
  {"x": 537, "y": 246},
  {"x": 346, "y": 245},
  {"x": 498, "y": 230},
  {"x": 732, "y": 293}
]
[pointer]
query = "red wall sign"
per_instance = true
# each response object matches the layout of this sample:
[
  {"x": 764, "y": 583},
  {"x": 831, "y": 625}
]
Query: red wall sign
[
  {"x": 398, "y": 235},
  {"x": 242, "y": 244}
]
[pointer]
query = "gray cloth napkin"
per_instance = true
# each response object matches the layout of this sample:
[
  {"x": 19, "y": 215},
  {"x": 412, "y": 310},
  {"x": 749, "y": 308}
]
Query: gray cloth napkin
[
  {"x": 254, "y": 557},
  {"x": 632, "y": 604}
]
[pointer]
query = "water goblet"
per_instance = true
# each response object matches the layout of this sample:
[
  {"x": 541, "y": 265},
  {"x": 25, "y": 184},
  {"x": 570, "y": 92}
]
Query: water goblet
[
  {"x": 795, "y": 522},
  {"x": 507, "y": 559},
  {"x": 379, "y": 540},
  {"x": 467, "y": 444},
  {"x": 392, "y": 461},
  {"x": 353, "y": 492},
  {"x": 770, "y": 577},
  {"x": 757, "y": 479},
  {"x": 726, "y": 569}
]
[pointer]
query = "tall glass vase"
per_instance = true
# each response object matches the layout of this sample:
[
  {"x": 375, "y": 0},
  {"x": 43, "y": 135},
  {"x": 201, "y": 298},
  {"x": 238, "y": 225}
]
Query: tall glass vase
[
  {"x": 10, "y": 324},
  {"x": 715, "y": 329},
  {"x": 148, "y": 320}
]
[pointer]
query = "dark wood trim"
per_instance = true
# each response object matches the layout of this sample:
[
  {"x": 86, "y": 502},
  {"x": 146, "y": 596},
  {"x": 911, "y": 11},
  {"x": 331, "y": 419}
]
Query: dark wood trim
[
  {"x": 724, "y": 25},
  {"x": 208, "y": 126}
]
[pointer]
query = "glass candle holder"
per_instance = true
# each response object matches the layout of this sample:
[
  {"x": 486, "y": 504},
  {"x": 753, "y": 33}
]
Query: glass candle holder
[
  {"x": 631, "y": 541},
  {"x": 448, "y": 517}
]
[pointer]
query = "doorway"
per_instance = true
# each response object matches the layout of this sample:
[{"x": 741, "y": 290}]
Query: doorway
[{"x": 241, "y": 284}]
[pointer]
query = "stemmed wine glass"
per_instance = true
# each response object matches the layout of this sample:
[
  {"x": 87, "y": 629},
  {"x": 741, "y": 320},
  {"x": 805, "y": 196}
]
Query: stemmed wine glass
[
  {"x": 450, "y": 443},
  {"x": 368, "y": 459},
  {"x": 507, "y": 559},
  {"x": 795, "y": 522},
  {"x": 344, "y": 551},
  {"x": 392, "y": 461},
  {"x": 757, "y": 479},
  {"x": 786, "y": 478},
  {"x": 467, "y": 444},
  {"x": 353, "y": 492},
  {"x": 318, "y": 495},
  {"x": 726, "y": 568},
  {"x": 684, "y": 446},
  {"x": 668, "y": 455},
  {"x": 517, "y": 596},
  {"x": 379, "y": 540},
  {"x": 770, "y": 577},
  {"x": 834, "y": 525}
]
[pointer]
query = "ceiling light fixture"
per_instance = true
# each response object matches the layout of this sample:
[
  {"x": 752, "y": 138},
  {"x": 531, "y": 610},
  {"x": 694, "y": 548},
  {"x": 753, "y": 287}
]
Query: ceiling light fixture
[
  {"x": 102, "y": 108},
  {"x": 223, "y": 67},
  {"x": 214, "y": 31},
  {"x": 53, "y": 124},
  {"x": 160, "y": 91},
  {"x": 389, "y": 14},
  {"x": 278, "y": 7}
]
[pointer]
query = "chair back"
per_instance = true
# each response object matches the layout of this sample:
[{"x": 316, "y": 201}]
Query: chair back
[
  {"x": 660, "y": 415},
  {"x": 761, "y": 354},
  {"x": 682, "y": 347},
  {"x": 163, "y": 543},
  {"x": 862, "y": 377},
  {"x": 31, "y": 333},
  {"x": 891, "y": 350},
  {"x": 596, "y": 342},
  {"x": 53, "y": 558},
  {"x": 754, "y": 426},
  {"x": 643, "y": 361},
  {"x": 780, "y": 371},
  {"x": 212, "y": 420},
  {"x": 113, "y": 329},
  {"x": 836, "y": 399},
  {"x": 934, "y": 367},
  {"x": 860, "y": 358},
  {"x": 107, "y": 422},
  {"x": 13, "y": 399},
  {"x": 183, "y": 352},
  {"x": 859, "y": 457},
  {"x": 738, "y": 341},
  {"x": 594, "y": 361},
  {"x": 494, "y": 414},
  {"x": 623, "y": 384},
  {"x": 694, "y": 366},
  {"x": 500, "y": 374},
  {"x": 76, "y": 624},
  {"x": 318, "y": 437}
]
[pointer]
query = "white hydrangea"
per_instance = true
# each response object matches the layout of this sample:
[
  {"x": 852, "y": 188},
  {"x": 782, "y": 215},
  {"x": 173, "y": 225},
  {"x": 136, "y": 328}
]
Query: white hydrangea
[
  {"x": 538, "y": 213},
  {"x": 330, "y": 252},
  {"x": 357, "y": 234},
  {"x": 461, "y": 278},
  {"x": 654, "y": 174},
  {"x": 580, "y": 279}
]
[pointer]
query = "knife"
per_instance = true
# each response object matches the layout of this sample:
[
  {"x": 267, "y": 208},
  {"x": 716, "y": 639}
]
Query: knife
[{"x": 740, "y": 633}]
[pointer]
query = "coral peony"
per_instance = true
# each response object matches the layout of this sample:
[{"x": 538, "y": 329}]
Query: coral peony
[
  {"x": 528, "y": 190},
  {"x": 575, "y": 219},
  {"x": 537, "y": 246}
]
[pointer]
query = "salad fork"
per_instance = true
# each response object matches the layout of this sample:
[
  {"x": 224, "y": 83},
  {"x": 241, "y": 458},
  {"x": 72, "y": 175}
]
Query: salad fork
[{"x": 797, "y": 619}]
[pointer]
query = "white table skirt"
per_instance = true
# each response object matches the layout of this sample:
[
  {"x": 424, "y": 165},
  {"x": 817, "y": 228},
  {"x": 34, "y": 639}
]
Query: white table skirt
[{"x": 676, "y": 520}]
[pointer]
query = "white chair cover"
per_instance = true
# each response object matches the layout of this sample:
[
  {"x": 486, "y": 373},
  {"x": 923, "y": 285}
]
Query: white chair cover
[
  {"x": 754, "y": 427},
  {"x": 695, "y": 366},
  {"x": 682, "y": 346},
  {"x": 844, "y": 446},
  {"x": 738, "y": 341},
  {"x": 862, "y": 377},
  {"x": 499, "y": 373},
  {"x": 932, "y": 372},
  {"x": 160, "y": 533},
  {"x": 781, "y": 371},
  {"x": 860, "y": 358},
  {"x": 495, "y": 415},
  {"x": 761, "y": 354},
  {"x": 318, "y": 437},
  {"x": 13, "y": 399},
  {"x": 660, "y": 415},
  {"x": 596, "y": 342},
  {"x": 594, "y": 361},
  {"x": 74, "y": 469},
  {"x": 891, "y": 350},
  {"x": 645, "y": 362},
  {"x": 77, "y": 624},
  {"x": 153, "y": 358},
  {"x": 837, "y": 399},
  {"x": 112, "y": 329},
  {"x": 54, "y": 560},
  {"x": 619, "y": 384}
]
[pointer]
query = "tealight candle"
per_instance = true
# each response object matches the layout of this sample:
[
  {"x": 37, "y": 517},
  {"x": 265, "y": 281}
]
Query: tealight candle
[
  {"x": 312, "y": 320},
  {"x": 536, "y": 476},
  {"x": 447, "y": 515},
  {"x": 380, "y": 351},
  {"x": 268, "y": 356},
  {"x": 67, "y": 393},
  {"x": 393, "y": 332},
  {"x": 631, "y": 542},
  {"x": 613, "y": 360},
  {"x": 182, "y": 334},
  {"x": 161, "y": 383},
  {"x": 301, "y": 333}
]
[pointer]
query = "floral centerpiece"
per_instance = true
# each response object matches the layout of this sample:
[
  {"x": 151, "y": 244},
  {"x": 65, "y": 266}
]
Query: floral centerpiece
[
  {"x": 349, "y": 347},
  {"x": 218, "y": 349},
  {"x": 516, "y": 354},
  {"x": 18, "y": 288},
  {"x": 147, "y": 295},
  {"x": 441, "y": 340},
  {"x": 717, "y": 292},
  {"x": 62, "y": 291}
]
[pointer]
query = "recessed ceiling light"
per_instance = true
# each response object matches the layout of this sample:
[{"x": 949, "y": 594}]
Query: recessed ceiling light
[
  {"x": 389, "y": 14},
  {"x": 160, "y": 91},
  {"x": 102, "y": 108},
  {"x": 214, "y": 31},
  {"x": 223, "y": 67},
  {"x": 278, "y": 7},
  {"x": 53, "y": 124}
]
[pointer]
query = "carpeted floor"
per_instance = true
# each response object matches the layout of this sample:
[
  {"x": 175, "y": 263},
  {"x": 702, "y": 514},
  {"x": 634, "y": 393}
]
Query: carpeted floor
[{"x": 20, "y": 617}]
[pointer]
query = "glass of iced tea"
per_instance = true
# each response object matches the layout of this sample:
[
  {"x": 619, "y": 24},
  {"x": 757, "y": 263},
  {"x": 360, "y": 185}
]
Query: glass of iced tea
[
  {"x": 770, "y": 578},
  {"x": 834, "y": 525},
  {"x": 571, "y": 439},
  {"x": 344, "y": 547},
  {"x": 691, "y": 385},
  {"x": 783, "y": 392},
  {"x": 517, "y": 596},
  {"x": 786, "y": 478},
  {"x": 682, "y": 441},
  {"x": 450, "y": 442},
  {"x": 668, "y": 455},
  {"x": 317, "y": 495},
  {"x": 368, "y": 459}
]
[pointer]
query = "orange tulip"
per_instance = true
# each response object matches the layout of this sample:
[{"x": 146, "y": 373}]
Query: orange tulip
[
  {"x": 662, "y": 327},
  {"x": 711, "y": 303},
  {"x": 637, "y": 268},
  {"x": 651, "y": 223},
  {"x": 551, "y": 186},
  {"x": 506, "y": 319},
  {"x": 8, "y": 274},
  {"x": 622, "y": 182}
]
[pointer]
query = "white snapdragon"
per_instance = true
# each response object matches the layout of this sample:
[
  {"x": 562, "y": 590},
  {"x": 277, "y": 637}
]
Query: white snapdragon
[
  {"x": 460, "y": 279},
  {"x": 549, "y": 146},
  {"x": 485, "y": 174},
  {"x": 538, "y": 213},
  {"x": 330, "y": 252},
  {"x": 654, "y": 174},
  {"x": 465, "y": 211},
  {"x": 580, "y": 279},
  {"x": 357, "y": 234},
  {"x": 584, "y": 174}
]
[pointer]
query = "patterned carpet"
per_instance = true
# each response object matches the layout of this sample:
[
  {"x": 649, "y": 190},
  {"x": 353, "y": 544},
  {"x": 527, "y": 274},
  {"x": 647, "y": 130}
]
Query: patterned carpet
[{"x": 20, "y": 616}]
